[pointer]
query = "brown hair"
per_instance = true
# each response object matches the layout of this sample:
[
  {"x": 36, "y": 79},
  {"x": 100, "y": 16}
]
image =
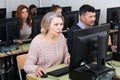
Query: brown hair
[
  {"x": 19, "y": 15},
  {"x": 55, "y": 7}
]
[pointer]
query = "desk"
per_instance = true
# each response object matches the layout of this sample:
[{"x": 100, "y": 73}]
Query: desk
[
  {"x": 5, "y": 61},
  {"x": 113, "y": 31},
  {"x": 116, "y": 65},
  {"x": 22, "y": 48},
  {"x": 32, "y": 76}
]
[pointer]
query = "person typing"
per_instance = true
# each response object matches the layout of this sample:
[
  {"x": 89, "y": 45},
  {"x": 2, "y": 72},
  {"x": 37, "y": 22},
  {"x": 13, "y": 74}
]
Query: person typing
[{"x": 48, "y": 48}]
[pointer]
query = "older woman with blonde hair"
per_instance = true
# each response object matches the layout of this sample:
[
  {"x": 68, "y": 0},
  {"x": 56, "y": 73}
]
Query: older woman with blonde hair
[{"x": 44, "y": 51}]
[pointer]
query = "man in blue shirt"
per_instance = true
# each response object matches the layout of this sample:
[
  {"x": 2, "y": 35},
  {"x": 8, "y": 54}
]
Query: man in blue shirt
[{"x": 87, "y": 19}]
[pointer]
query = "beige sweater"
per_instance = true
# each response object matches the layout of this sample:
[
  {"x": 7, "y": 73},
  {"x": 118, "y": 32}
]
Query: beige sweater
[{"x": 46, "y": 54}]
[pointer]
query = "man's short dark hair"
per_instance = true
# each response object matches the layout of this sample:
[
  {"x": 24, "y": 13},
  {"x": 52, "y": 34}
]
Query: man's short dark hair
[{"x": 86, "y": 8}]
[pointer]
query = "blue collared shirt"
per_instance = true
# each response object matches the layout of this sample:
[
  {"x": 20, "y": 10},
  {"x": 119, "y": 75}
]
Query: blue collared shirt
[{"x": 81, "y": 25}]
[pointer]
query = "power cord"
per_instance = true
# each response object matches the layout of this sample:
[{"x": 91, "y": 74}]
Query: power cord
[
  {"x": 88, "y": 67},
  {"x": 112, "y": 67},
  {"x": 116, "y": 65},
  {"x": 11, "y": 61}
]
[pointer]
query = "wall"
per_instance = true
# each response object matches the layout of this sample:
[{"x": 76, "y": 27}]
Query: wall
[
  {"x": 98, "y": 4},
  {"x": 2, "y": 3}
]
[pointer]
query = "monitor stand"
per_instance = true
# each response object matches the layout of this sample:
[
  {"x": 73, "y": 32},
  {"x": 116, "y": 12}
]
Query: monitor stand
[{"x": 92, "y": 72}]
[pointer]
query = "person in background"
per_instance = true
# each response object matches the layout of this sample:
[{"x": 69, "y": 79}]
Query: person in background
[
  {"x": 87, "y": 19},
  {"x": 56, "y": 8},
  {"x": 111, "y": 47},
  {"x": 33, "y": 10},
  {"x": 23, "y": 14},
  {"x": 44, "y": 51}
]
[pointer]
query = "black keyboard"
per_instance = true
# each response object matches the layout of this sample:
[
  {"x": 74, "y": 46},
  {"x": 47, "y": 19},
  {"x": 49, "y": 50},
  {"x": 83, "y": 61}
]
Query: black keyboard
[
  {"x": 7, "y": 43},
  {"x": 59, "y": 72},
  {"x": 26, "y": 41}
]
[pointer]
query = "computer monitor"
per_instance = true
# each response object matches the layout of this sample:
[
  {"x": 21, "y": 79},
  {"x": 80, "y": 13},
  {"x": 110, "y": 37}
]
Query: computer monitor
[
  {"x": 36, "y": 22},
  {"x": 2, "y": 31},
  {"x": 2, "y": 13},
  {"x": 113, "y": 16},
  {"x": 71, "y": 18},
  {"x": 86, "y": 45},
  {"x": 43, "y": 10},
  {"x": 66, "y": 8},
  {"x": 13, "y": 13},
  {"x": 97, "y": 17},
  {"x": 12, "y": 29}
]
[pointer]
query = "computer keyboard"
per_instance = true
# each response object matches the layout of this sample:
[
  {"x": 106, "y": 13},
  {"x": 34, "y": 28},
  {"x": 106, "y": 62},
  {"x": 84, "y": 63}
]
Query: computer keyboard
[
  {"x": 26, "y": 41},
  {"x": 59, "y": 72}
]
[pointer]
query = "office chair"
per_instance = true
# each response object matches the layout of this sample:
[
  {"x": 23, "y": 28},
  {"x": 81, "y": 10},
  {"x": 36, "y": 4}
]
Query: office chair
[{"x": 20, "y": 63}]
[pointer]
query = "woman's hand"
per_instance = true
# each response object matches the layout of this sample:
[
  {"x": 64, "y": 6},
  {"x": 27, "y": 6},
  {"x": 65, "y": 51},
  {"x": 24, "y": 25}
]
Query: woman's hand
[
  {"x": 18, "y": 41},
  {"x": 113, "y": 48},
  {"x": 39, "y": 71}
]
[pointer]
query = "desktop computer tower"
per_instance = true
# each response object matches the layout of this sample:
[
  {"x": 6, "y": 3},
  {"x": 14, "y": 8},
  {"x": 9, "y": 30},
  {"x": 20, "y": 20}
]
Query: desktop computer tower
[{"x": 83, "y": 73}]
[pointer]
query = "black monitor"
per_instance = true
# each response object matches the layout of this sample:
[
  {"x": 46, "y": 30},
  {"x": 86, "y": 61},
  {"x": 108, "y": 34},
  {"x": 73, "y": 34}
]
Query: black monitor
[
  {"x": 71, "y": 18},
  {"x": 2, "y": 31},
  {"x": 12, "y": 29},
  {"x": 13, "y": 13},
  {"x": 116, "y": 55},
  {"x": 66, "y": 8},
  {"x": 2, "y": 13},
  {"x": 86, "y": 45},
  {"x": 36, "y": 22},
  {"x": 113, "y": 16},
  {"x": 43, "y": 10},
  {"x": 97, "y": 17}
]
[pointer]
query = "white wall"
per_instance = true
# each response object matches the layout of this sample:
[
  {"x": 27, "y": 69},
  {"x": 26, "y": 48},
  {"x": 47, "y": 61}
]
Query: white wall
[
  {"x": 98, "y": 4},
  {"x": 2, "y": 3}
]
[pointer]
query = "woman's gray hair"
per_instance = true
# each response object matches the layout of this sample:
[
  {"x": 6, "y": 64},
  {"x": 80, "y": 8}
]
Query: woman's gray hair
[{"x": 46, "y": 20}]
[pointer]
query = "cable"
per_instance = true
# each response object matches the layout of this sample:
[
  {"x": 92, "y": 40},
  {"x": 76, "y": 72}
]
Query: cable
[
  {"x": 115, "y": 65},
  {"x": 112, "y": 65},
  {"x": 88, "y": 67},
  {"x": 11, "y": 61}
]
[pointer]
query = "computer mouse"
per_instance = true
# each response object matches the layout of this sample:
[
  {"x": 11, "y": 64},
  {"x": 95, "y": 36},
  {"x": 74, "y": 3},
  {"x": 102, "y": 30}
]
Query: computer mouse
[{"x": 44, "y": 75}]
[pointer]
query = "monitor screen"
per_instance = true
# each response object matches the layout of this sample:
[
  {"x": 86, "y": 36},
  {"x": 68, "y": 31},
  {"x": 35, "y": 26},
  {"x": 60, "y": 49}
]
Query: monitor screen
[
  {"x": 2, "y": 13},
  {"x": 97, "y": 17},
  {"x": 113, "y": 16},
  {"x": 36, "y": 22},
  {"x": 12, "y": 29},
  {"x": 85, "y": 44},
  {"x": 71, "y": 18},
  {"x": 43, "y": 10},
  {"x": 2, "y": 31},
  {"x": 13, "y": 13},
  {"x": 66, "y": 8}
]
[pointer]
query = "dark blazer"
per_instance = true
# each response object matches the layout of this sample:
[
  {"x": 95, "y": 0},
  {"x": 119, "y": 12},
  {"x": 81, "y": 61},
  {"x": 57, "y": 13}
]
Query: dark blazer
[{"x": 69, "y": 37}]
